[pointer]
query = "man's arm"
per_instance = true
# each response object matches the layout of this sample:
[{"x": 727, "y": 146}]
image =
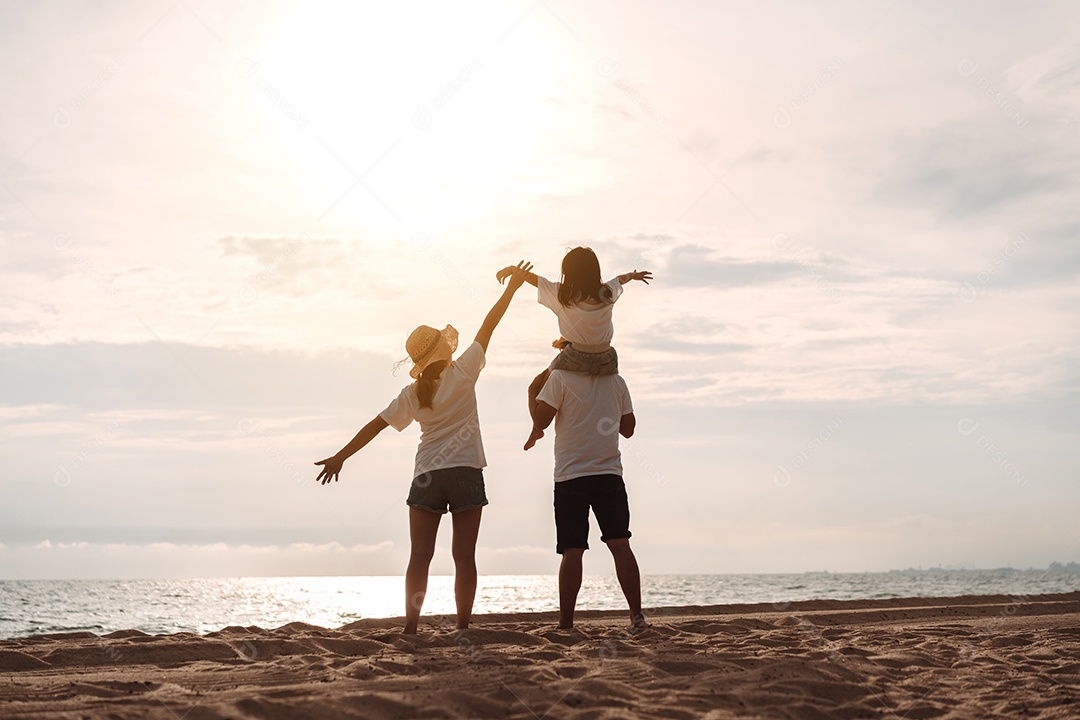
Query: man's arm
[{"x": 627, "y": 423}]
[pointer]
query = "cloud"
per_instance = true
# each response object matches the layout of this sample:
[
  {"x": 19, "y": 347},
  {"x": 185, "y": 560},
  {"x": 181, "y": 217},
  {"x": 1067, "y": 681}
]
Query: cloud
[
  {"x": 297, "y": 265},
  {"x": 691, "y": 265},
  {"x": 963, "y": 171},
  {"x": 1049, "y": 83},
  {"x": 148, "y": 381}
]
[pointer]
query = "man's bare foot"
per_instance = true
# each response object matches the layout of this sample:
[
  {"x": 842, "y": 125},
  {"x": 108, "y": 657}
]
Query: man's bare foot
[
  {"x": 409, "y": 630},
  {"x": 566, "y": 627},
  {"x": 535, "y": 435}
]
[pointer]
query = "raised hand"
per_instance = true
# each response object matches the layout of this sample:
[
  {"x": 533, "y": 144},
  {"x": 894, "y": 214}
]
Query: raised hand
[
  {"x": 643, "y": 275},
  {"x": 331, "y": 468},
  {"x": 504, "y": 273},
  {"x": 519, "y": 274}
]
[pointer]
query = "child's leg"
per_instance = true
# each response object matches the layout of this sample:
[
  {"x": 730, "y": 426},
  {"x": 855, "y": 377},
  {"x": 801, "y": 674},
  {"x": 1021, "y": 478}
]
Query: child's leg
[{"x": 534, "y": 390}]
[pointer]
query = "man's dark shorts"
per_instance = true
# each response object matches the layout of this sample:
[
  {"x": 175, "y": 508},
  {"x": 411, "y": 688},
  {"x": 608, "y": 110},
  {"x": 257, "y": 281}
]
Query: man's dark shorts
[
  {"x": 456, "y": 488},
  {"x": 606, "y": 495}
]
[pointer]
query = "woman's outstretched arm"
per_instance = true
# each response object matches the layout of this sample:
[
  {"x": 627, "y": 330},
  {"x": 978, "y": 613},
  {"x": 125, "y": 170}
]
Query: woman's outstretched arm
[
  {"x": 518, "y": 276},
  {"x": 332, "y": 465}
]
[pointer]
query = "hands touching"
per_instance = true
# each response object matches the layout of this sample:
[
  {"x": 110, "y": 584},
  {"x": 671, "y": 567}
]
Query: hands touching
[
  {"x": 518, "y": 274},
  {"x": 523, "y": 268}
]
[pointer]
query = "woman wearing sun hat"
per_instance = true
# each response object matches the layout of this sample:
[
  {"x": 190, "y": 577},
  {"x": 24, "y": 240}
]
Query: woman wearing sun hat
[{"x": 448, "y": 473}]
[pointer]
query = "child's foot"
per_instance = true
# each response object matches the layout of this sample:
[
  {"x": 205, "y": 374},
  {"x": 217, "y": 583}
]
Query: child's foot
[{"x": 535, "y": 435}]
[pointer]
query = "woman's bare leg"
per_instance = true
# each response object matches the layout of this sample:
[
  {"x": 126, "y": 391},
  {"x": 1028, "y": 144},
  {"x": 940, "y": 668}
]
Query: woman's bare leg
[
  {"x": 534, "y": 390},
  {"x": 423, "y": 527},
  {"x": 466, "y": 529}
]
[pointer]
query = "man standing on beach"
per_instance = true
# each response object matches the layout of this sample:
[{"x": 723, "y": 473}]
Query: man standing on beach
[{"x": 590, "y": 412}]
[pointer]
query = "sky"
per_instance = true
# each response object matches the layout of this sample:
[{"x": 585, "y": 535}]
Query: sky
[{"x": 219, "y": 221}]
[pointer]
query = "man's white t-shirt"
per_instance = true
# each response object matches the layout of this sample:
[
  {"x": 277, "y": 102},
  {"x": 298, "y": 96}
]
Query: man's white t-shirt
[
  {"x": 450, "y": 428},
  {"x": 587, "y": 424},
  {"x": 586, "y": 323}
]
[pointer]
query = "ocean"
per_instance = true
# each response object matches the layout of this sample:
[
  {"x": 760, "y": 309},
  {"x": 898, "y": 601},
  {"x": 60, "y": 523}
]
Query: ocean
[{"x": 33, "y": 607}]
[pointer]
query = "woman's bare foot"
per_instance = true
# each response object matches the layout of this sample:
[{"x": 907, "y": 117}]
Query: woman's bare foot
[
  {"x": 535, "y": 435},
  {"x": 637, "y": 624}
]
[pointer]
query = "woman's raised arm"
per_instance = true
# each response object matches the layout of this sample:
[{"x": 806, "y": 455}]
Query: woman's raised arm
[{"x": 518, "y": 275}]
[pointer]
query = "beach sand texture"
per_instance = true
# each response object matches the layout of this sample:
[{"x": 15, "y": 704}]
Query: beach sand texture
[{"x": 967, "y": 657}]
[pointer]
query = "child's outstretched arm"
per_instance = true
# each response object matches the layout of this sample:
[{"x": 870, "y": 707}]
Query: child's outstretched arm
[
  {"x": 332, "y": 465},
  {"x": 509, "y": 269},
  {"x": 643, "y": 275},
  {"x": 518, "y": 275}
]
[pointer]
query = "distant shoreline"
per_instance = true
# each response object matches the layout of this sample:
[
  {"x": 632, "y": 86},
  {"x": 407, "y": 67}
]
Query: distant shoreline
[{"x": 1067, "y": 568}]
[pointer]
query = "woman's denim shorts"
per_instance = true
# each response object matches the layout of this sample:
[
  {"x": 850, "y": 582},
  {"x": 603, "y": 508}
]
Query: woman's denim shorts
[{"x": 456, "y": 488}]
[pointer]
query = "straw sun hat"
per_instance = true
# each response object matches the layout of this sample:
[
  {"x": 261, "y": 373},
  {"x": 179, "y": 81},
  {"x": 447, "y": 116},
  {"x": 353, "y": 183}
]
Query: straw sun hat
[{"x": 427, "y": 345}]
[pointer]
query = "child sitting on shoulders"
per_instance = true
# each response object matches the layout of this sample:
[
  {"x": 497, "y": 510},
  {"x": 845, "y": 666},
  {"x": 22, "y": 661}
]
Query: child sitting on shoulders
[{"x": 583, "y": 305}]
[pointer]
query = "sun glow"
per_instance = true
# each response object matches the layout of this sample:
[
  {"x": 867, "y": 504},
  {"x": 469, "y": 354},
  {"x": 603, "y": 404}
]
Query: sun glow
[{"x": 440, "y": 131}]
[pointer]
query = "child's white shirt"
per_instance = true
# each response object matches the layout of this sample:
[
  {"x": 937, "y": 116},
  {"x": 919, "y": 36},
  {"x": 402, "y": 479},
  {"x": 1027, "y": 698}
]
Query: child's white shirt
[
  {"x": 450, "y": 428},
  {"x": 585, "y": 323}
]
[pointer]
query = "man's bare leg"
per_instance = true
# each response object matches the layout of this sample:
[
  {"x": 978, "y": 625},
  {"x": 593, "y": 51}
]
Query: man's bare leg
[
  {"x": 569, "y": 584},
  {"x": 423, "y": 527},
  {"x": 626, "y": 569},
  {"x": 466, "y": 528},
  {"x": 534, "y": 390}
]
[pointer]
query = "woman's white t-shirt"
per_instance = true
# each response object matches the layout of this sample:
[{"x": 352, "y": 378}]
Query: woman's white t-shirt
[
  {"x": 450, "y": 428},
  {"x": 585, "y": 323}
]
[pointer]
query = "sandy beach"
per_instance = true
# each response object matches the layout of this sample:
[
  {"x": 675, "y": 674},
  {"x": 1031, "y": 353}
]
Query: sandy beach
[{"x": 966, "y": 657}]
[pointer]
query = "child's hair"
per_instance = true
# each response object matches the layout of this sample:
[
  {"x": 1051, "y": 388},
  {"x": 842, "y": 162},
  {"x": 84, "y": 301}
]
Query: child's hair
[
  {"x": 581, "y": 279},
  {"x": 425, "y": 384}
]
